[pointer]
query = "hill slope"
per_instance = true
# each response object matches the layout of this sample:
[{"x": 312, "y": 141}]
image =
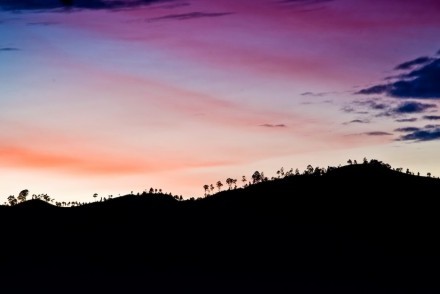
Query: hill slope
[{"x": 358, "y": 228}]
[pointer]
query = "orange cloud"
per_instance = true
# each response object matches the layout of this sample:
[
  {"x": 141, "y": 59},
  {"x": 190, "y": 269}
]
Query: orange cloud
[{"x": 87, "y": 164}]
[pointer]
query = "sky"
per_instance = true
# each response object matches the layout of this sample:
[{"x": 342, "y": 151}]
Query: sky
[{"x": 109, "y": 97}]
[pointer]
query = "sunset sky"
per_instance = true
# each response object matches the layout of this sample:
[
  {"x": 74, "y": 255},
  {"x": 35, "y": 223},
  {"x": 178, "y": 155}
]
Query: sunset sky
[{"x": 110, "y": 97}]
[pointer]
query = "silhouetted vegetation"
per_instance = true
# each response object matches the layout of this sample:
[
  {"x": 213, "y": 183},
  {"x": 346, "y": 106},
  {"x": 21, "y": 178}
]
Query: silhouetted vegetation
[
  {"x": 257, "y": 177},
  {"x": 360, "y": 228}
]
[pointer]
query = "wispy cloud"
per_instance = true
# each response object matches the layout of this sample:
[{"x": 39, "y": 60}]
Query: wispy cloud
[
  {"x": 347, "y": 109},
  {"x": 188, "y": 16},
  {"x": 8, "y": 49},
  {"x": 304, "y": 2},
  {"x": 374, "y": 104},
  {"x": 28, "y": 158},
  {"x": 304, "y": 5},
  {"x": 411, "y": 119},
  {"x": 42, "y": 23},
  {"x": 366, "y": 106},
  {"x": 407, "y": 130},
  {"x": 381, "y": 108},
  {"x": 413, "y": 107},
  {"x": 274, "y": 125},
  {"x": 357, "y": 121},
  {"x": 432, "y": 126},
  {"x": 431, "y": 117},
  {"x": 412, "y": 63},
  {"x": 377, "y": 133},
  {"x": 313, "y": 94},
  {"x": 26, "y": 5},
  {"x": 422, "y": 81},
  {"x": 421, "y": 135}
]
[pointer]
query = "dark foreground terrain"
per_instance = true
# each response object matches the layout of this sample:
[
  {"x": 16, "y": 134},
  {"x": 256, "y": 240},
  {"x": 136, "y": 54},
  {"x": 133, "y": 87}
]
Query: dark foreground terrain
[{"x": 357, "y": 229}]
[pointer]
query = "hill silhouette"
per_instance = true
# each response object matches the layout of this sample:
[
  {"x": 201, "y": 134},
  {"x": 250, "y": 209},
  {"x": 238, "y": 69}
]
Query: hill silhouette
[
  {"x": 361, "y": 228},
  {"x": 34, "y": 204}
]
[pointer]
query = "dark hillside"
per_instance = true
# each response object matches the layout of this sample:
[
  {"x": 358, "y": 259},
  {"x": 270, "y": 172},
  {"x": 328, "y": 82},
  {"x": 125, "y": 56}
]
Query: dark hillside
[{"x": 356, "y": 229}]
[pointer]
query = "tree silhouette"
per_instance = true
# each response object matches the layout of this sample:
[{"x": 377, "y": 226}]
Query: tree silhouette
[
  {"x": 256, "y": 177},
  {"x": 22, "y": 196},
  {"x": 12, "y": 201},
  {"x": 230, "y": 182},
  {"x": 47, "y": 198},
  {"x": 244, "y": 180},
  {"x": 309, "y": 170},
  {"x": 318, "y": 171},
  {"x": 206, "y": 187},
  {"x": 219, "y": 185}
]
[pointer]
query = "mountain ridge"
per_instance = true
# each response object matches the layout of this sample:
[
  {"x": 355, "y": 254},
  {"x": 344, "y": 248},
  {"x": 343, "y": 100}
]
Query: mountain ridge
[{"x": 358, "y": 228}]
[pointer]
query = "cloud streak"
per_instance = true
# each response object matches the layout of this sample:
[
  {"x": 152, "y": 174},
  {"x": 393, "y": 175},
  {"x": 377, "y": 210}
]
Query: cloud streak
[
  {"x": 411, "y": 64},
  {"x": 413, "y": 107},
  {"x": 189, "y": 16},
  {"x": 27, "y": 158},
  {"x": 422, "y": 135},
  {"x": 377, "y": 133},
  {"x": 25, "y": 5},
  {"x": 304, "y": 2},
  {"x": 42, "y": 23},
  {"x": 411, "y": 119},
  {"x": 9, "y": 49},
  {"x": 422, "y": 82},
  {"x": 312, "y": 94},
  {"x": 432, "y": 117},
  {"x": 392, "y": 109},
  {"x": 273, "y": 125},
  {"x": 357, "y": 121},
  {"x": 407, "y": 130},
  {"x": 373, "y": 104}
]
